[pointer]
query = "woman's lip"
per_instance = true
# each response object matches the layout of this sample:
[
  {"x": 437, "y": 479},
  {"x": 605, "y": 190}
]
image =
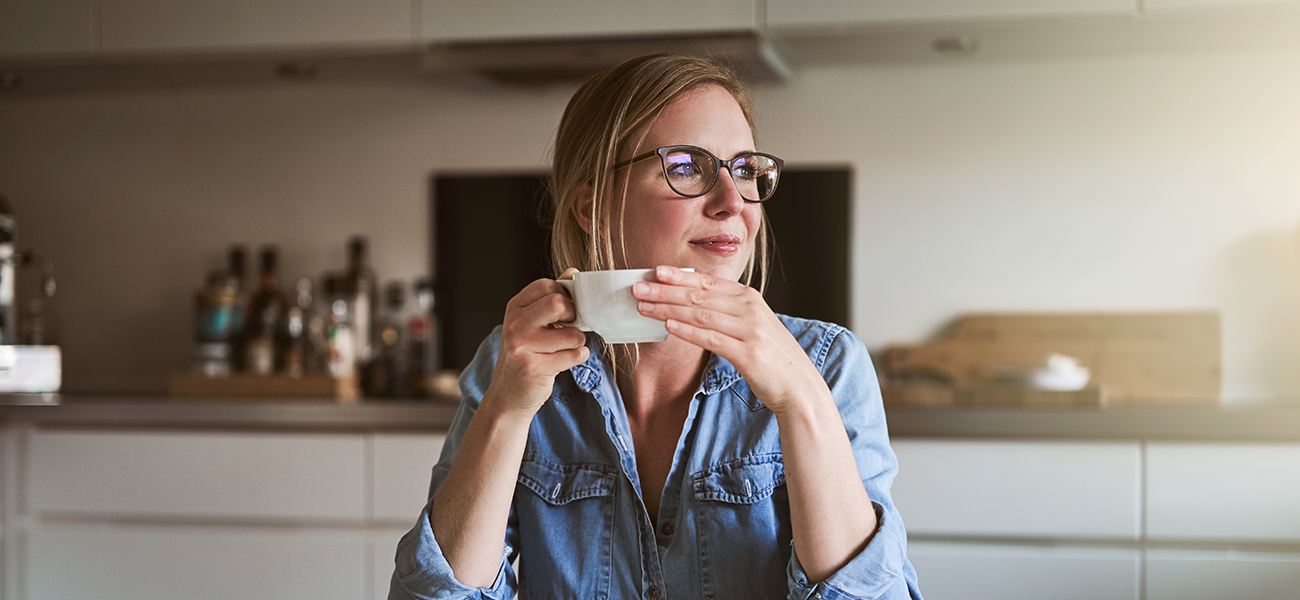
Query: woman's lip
[{"x": 722, "y": 248}]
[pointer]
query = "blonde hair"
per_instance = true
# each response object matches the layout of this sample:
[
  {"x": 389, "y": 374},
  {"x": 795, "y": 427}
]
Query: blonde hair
[{"x": 597, "y": 123}]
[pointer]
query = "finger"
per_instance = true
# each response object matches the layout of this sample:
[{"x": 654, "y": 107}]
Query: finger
[
  {"x": 703, "y": 318},
  {"x": 535, "y": 291},
  {"x": 555, "y": 307},
  {"x": 714, "y": 341},
  {"x": 564, "y": 360},
  {"x": 681, "y": 295},
  {"x": 676, "y": 276},
  {"x": 548, "y": 341},
  {"x": 568, "y": 273}
]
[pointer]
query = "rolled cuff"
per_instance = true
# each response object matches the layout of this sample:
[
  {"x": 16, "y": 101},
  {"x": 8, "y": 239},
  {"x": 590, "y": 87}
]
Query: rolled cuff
[
  {"x": 876, "y": 572},
  {"x": 423, "y": 573}
]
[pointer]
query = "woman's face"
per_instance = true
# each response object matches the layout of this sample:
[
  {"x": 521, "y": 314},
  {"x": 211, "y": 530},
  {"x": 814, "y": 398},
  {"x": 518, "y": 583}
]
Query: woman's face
[{"x": 713, "y": 233}]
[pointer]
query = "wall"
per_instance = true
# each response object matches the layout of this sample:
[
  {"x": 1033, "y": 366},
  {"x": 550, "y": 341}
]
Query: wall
[{"x": 1112, "y": 183}]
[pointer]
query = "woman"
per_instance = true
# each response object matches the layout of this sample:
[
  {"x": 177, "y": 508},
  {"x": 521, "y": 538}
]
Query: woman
[{"x": 744, "y": 457}]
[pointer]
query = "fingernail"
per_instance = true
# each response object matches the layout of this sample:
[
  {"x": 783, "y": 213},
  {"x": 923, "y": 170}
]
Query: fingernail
[
  {"x": 640, "y": 288},
  {"x": 645, "y": 306},
  {"x": 662, "y": 272},
  {"x": 671, "y": 325}
]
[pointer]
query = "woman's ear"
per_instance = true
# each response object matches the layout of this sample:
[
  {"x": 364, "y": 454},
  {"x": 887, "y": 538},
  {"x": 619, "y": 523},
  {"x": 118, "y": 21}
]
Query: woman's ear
[{"x": 585, "y": 198}]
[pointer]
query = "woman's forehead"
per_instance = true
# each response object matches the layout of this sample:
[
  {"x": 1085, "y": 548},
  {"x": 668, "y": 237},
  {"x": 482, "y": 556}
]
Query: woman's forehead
[{"x": 707, "y": 116}]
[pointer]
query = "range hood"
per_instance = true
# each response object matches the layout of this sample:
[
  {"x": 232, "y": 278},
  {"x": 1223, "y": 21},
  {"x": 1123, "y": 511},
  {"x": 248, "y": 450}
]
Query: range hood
[{"x": 548, "y": 62}]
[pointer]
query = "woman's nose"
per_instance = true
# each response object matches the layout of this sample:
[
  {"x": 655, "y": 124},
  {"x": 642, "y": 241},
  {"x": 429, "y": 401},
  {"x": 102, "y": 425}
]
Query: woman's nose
[{"x": 725, "y": 199}]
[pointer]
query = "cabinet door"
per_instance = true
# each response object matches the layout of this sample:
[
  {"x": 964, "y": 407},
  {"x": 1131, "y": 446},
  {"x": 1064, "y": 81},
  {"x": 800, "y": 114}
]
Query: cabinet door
[
  {"x": 383, "y": 550},
  {"x": 1011, "y": 488},
  {"x": 1155, "y": 6},
  {"x": 1223, "y": 491},
  {"x": 402, "y": 468},
  {"x": 453, "y": 20},
  {"x": 869, "y": 12},
  {"x": 133, "y": 25},
  {"x": 39, "y": 27},
  {"x": 977, "y": 572},
  {"x": 133, "y": 562},
  {"x": 1210, "y": 575},
  {"x": 156, "y": 474}
]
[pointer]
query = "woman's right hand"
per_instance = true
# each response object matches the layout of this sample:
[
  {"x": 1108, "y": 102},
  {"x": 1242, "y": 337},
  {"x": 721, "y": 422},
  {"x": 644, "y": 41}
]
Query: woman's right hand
[{"x": 533, "y": 348}]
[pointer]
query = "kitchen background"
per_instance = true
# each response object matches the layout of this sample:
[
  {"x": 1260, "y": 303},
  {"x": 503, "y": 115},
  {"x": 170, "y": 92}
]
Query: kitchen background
[
  {"x": 1087, "y": 155},
  {"x": 1159, "y": 181}
]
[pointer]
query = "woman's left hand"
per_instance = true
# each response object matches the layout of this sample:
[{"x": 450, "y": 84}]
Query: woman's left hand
[{"x": 732, "y": 320}]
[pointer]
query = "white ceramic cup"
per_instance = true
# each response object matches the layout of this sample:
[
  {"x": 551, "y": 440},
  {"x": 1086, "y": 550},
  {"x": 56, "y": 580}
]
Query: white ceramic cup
[{"x": 605, "y": 305}]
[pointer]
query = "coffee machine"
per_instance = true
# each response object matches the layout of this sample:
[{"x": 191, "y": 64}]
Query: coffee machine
[{"x": 30, "y": 360}]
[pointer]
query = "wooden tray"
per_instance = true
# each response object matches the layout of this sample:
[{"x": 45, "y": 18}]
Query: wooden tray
[
  {"x": 992, "y": 394},
  {"x": 1136, "y": 357},
  {"x": 183, "y": 386}
]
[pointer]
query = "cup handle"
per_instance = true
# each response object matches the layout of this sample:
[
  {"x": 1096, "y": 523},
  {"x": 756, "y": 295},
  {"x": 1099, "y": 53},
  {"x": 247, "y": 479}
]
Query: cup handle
[{"x": 578, "y": 322}]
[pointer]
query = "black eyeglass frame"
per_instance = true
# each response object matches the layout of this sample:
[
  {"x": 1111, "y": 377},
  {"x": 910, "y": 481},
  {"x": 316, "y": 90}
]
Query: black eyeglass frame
[{"x": 663, "y": 166}]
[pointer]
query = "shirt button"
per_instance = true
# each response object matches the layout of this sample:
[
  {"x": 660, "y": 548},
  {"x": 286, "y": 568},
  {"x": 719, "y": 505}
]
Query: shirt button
[
  {"x": 667, "y": 528},
  {"x": 653, "y": 592}
]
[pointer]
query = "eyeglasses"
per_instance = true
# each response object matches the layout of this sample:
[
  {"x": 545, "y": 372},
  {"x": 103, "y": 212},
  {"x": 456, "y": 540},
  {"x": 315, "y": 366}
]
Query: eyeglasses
[{"x": 691, "y": 171}]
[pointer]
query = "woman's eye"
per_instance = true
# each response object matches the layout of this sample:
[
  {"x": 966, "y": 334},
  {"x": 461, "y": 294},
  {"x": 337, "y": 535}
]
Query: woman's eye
[
  {"x": 684, "y": 170},
  {"x": 744, "y": 172}
]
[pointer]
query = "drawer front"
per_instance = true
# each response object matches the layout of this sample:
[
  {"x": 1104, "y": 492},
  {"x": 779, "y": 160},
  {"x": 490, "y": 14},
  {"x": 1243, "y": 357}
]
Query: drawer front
[
  {"x": 245, "y": 475},
  {"x": 994, "y": 572},
  {"x": 1209, "y": 575},
  {"x": 1013, "y": 488},
  {"x": 1223, "y": 491},
  {"x": 847, "y": 12},
  {"x": 403, "y": 465},
  {"x": 164, "y": 563}
]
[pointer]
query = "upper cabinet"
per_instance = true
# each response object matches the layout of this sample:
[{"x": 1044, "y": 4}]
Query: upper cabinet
[
  {"x": 167, "y": 25},
  {"x": 870, "y": 12},
  {"x": 457, "y": 20},
  {"x": 45, "y": 27},
  {"x": 1166, "y": 5}
]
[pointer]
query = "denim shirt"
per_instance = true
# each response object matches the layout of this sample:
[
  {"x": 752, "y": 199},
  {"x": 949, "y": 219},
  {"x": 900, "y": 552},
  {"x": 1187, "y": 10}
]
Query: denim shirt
[{"x": 579, "y": 528}]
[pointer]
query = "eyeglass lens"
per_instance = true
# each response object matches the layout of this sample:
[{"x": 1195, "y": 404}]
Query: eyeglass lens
[{"x": 691, "y": 172}]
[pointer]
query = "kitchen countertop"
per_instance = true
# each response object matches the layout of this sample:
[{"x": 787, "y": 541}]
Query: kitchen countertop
[{"x": 1272, "y": 422}]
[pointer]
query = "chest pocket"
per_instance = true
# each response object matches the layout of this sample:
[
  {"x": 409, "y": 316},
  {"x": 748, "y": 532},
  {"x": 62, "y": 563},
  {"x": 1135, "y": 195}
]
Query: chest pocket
[
  {"x": 743, "y": 526},
  {"x": 559, "y": 484},
  {"x": 745, "y": 481},
  {"x": 566, "y": 521}
]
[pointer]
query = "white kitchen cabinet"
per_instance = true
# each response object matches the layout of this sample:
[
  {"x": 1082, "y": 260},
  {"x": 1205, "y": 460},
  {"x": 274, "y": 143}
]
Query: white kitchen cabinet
[
  {"x": 383, "y": 550},
  {"x": 168, "y": 25},
  {"x": 196, "y": 474},
  {"x": 955, "y": 571},
  {"x": 1162, "y": 6},
  {"x": 1223, "y": 491},
  {"x": 403, "y": 464},
  {"x": 1213, "y": 575},
  {"x": 37, "y": 28},
  {"x": 142, "y": 562},
  {"x": 457, "y": 20},
  {"x": 781, "y": 13},
  {"x": 1019, "y": 488}
]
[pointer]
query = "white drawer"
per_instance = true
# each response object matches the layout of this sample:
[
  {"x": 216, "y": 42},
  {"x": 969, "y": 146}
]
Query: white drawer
[
  {"x": 383, "y": 552},
  {"x": 1223, "y": 491},
  {"x": 254, "y": 475},
  {"x": 1019, "y": 488},
  {"x": 978, "y": 572},
  {"x": 1208, "y": 575},
  {"x": 403, "y": 465},
  {"x": 109, "y": 562}
]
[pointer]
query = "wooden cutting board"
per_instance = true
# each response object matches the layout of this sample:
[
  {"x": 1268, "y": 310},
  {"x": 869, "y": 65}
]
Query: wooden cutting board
[{"x": 1136, "y": 357}]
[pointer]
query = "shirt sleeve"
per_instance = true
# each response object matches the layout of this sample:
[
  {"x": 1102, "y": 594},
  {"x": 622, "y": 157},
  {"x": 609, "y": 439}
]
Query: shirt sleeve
[
  {"x": 881, "y": 570},
  {"x": 422, "y": 572}
]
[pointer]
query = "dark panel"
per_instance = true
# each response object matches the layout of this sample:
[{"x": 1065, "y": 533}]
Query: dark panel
[
  {"x": 489, "y": 243},
  {"x": 809, "y": 215}
]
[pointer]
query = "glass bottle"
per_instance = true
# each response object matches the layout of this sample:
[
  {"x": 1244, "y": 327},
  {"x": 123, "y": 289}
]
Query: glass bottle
[
  {"x": 422, "y": 339},
  {"x": 342, "y": 348},
  {"x": 236, "y": 267},
  {"x": 266, "y": 318},
  {"x": 360, "y": 288}
]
